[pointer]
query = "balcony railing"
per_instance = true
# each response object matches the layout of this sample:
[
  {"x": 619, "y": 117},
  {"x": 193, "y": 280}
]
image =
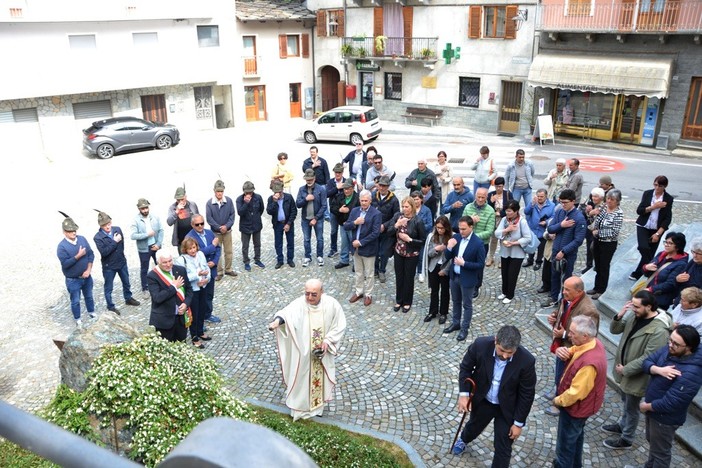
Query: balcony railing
[
  {"x": 251, "y": 66},
  {"x": 671, "y": 17},
  {"x": 408, "y": 48}
]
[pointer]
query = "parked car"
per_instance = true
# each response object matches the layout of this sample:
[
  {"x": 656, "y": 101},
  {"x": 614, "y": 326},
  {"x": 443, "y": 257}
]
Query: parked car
[
  {"x": 106, "y": 137},
  {"x": 347, "y": 123}
]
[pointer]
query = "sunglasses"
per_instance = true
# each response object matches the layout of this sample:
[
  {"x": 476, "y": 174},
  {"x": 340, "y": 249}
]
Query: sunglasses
[{"x": 198, "y": 224}]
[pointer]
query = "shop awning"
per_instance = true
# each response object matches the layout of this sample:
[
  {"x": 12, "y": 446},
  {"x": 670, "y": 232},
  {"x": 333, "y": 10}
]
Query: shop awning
[{"x": 611, "y": 75}]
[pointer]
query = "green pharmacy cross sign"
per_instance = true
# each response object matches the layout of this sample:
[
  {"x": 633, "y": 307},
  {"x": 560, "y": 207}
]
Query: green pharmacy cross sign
[{"x": 449, "y": 53}]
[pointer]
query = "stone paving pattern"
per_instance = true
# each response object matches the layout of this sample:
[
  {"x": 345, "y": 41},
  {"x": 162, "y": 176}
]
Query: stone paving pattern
[{"x": 396, "y": 374}]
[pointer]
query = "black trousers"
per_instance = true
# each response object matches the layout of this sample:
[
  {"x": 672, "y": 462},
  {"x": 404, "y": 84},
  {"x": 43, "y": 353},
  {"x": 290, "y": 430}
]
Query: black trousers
[
  {"x": 405, "y": 268},
  {"x": 539, "y": 251},
  {"x": 177, "y": 332},
  {"x": 603, "y": 253},
  {"x": 589, "y": 245},
  {"x": 646, "y": 248},
  {"x": 546, "y": 275},
  {"x": 510, "y": 268},
  {"x": 480, "y": 417},
  {"x": 438, "y": 284},
  {"x": 480, "y": 272}
]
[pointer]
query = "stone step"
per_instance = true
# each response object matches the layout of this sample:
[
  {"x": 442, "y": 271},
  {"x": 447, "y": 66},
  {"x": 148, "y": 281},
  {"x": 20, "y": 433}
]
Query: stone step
[
  {"x": 690, "y": 434},
  {"x": 690, "y": 144}
]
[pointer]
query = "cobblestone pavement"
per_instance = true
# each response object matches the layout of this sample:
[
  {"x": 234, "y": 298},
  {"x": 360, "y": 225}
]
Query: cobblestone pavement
[{"x": 397, "y": 375}]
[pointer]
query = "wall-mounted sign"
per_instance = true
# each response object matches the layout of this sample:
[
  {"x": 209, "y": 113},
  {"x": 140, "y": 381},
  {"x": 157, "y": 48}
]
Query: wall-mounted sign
[
  {"x": 367, "y": 65},
  {"x": 429, "y": 82}
]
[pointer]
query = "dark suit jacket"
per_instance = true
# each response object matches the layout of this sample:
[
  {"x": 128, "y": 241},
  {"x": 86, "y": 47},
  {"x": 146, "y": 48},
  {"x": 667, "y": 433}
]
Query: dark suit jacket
[
  {"x": 665, "y": 215},
  {"x": 111, "y": 252},
  {"x": 164, "y": 300},
  {"x": 370, "y": 230},
  {"x": 474, "y": 255},
  {"x": 289, "y": 209},
  {"x": 517, "y": 387}
]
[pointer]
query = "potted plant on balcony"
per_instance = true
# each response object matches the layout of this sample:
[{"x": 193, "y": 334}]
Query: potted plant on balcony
[
  {"x": 380, "y": 42},
  {"x": 426, "y": 53},
  {"x": 347, "y": 50},
  {"x": 361, "y": 52}
]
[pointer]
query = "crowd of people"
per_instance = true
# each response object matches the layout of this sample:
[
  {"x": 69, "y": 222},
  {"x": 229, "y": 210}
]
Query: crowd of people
[{"x": 448, "y": 234}]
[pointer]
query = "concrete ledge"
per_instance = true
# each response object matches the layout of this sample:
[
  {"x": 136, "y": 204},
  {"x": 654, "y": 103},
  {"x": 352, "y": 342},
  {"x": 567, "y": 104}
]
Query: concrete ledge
[{"x": 409, "y": 450}]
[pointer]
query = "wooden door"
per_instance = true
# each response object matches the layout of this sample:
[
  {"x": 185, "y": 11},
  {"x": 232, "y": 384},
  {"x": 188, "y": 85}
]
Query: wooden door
[
  {"x": 692, "y": 127},
  {"x": 153, "y": 108},
  {"x": 255, "y": 102},
  {"x": 628, "y": 126},
  {"x": 330, "y": 80},
  {"x": 295, "y": 100},
  {"x": 250, "y": 59},
  {"x": 510, "y": 106}
]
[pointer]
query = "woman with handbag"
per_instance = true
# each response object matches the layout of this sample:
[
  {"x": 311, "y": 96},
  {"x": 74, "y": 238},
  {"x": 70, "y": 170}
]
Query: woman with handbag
[
  {"x": 409, "y": 234},
  {"x": 515, "y": 235},
  {"x": 435, "y": 261},
  {"x": 282, "y": 173},
  {"x": 198, "y": 271},
  {"x": 665, "y": 267},
  {"x": 655, "y": 215},
  {"x": 605, "y": 231}
]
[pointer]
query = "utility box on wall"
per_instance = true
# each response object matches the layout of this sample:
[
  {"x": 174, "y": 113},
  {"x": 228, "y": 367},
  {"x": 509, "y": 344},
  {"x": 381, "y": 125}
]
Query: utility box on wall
[{"x": 350, "y": 91}]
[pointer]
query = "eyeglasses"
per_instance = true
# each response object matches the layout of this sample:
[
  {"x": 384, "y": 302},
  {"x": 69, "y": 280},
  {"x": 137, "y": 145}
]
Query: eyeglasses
[
  {"x": 198, "y": 224},
  {"x": 311, "y": 294},
  {"x": 696, "y": 252},
  {"x": 676, "y": 345},
  {"x": 669, "y": 242}
]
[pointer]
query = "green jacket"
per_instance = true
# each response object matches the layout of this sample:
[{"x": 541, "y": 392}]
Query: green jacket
[
  {"x": 486, "y": 226},
  {"x": 641, "y": 345}
]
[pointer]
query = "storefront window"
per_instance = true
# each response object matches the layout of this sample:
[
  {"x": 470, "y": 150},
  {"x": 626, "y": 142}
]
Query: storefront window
[{"x": 585, "y": 109}]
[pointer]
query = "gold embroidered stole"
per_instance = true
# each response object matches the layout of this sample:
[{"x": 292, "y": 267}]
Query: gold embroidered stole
[{"x": 316, "y": 319}]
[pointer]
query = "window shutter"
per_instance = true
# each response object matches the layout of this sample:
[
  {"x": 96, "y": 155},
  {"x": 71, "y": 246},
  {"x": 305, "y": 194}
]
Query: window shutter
[
  {"x": 510, "y": 30},
  {"x": 377, "y": 21},
  {"x": 305, "y": 38},
  {"x": 321, "y": 23},
  {"x": 474, "y": 17},
  {"x": 340, "y": 19},
  {"x": 407, "y": 13},
  {"x": 283, "y": 45}
]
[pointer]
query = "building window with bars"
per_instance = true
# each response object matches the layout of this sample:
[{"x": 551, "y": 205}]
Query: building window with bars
[
  {"x": 469, "y": 92},
  {"x": 393, "y": 86}
]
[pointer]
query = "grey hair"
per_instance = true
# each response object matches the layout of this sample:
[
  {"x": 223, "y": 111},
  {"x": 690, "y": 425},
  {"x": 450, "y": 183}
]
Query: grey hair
[
  {"x": 598, "y": 192},
  {"x": 615, "y": 194},
  {"x": 696, "y": 244},
  {"x": 365, "y": 193},
  {"x": 160, "y": 253},
  {"x": 542, "y": 190},
  {"x": 509, "y": 337},
  {"x": 584, "y": 325}
]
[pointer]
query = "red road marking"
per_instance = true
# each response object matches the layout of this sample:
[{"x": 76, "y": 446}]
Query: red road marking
[{"x": 600, "y": 165}]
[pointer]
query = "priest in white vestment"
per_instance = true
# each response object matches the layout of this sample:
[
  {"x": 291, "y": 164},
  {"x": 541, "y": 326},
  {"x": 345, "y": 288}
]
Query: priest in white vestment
[{"x": 308, "y": 334}]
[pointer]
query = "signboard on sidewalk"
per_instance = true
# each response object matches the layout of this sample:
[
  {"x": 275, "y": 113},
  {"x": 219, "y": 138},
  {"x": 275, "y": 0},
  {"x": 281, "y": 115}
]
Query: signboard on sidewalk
[{"x": 544, "y": 129}]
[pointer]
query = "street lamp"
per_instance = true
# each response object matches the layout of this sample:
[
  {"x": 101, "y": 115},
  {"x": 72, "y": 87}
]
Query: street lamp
[{"x": 522, "y": 16}]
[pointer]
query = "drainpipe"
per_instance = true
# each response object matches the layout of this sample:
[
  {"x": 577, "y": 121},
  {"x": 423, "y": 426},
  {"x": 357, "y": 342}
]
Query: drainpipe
[
  {"x": 346, "y": 65},
  {"x": 314, "y": 70}
]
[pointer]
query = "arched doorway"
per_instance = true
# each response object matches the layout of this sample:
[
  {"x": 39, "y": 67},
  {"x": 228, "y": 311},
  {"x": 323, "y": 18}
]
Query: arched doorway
[{"x": 330, "y": 83}]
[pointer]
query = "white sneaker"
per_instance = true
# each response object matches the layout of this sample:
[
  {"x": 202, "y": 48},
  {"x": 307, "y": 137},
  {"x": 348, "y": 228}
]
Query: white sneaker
[
  {"x": 79, "y": 323},
  {"x": 421, "y": 278},
  {"x": 306, "y": 262},
  {"x": 320, "y": 261},
  {"x": 92, "y": 315},
  {"x": 500, "y": 297},
  {"x": 506, "y": 301}
]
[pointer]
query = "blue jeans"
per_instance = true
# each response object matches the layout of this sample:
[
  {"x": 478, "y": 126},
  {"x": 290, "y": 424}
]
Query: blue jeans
[
  {"x": 560, "y": 369},
  {"x": 198, "y": 306},
  {"x": 144, "y": 258},
  {"x": 307, "y": 237},
  {"x": 346, "y": 245},
  {"x": 462, "y": 302},
  {"x": 477, "y": 185},
  {"x": 522, "y": 193},
  {"x": 109, "y": 276},
  {"x": 75, "y": 286},
  {"x": 569, "y": 444},
  {"x": 334, "y": 234},
  {"x": 278, "y": 233}
]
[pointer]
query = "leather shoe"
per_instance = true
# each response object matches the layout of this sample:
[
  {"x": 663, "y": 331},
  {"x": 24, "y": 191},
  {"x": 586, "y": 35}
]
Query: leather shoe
[
  {"x": 585, "y": 270},
  {"x": 442, "y": 319},
  {"x": 278, "y": 265},
  {"x": 476, "y": 293},
  {"x": 429, "y": 317},
  {"x": 537, "y": 266},
  {"x": 340, "y": 265},
  {"x": 367, "y": 301},
  {"x": 291, "y": 264},
  {"x": 528, "y": 263},
  {"x": 452, "y": 328},
  {"x": 396, "y": 307},
  {"x": 590, "y": 292},
  {"x": 462, "y": 335},
  {"x": 132, "y": 302},
  {"x": 218, "y": 278},
  {"x": 231, "y": 273},
  {"x": 542, "y": 290},
  {"x": 355, "y": 298}
]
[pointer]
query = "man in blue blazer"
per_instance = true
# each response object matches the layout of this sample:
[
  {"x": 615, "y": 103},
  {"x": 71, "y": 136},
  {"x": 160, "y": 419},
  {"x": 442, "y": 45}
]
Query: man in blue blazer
[
  {"x": 364, "y": 222},
  {"x": 209, "y": 246},
  {"x": 504, "y": 373},
  {"x": 465, "y": 259}
]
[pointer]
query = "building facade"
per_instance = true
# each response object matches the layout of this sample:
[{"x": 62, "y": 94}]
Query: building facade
[
  {"x": 74, "y": 63},
  {"x": 626, "y": 71},
  {"x": 470, "y": 61}
]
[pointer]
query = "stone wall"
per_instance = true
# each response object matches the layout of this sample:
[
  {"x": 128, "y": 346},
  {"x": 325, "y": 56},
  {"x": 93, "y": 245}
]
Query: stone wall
[{"x": 462, "y": 117}]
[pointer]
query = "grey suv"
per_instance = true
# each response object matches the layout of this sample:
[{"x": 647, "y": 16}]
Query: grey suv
[{"x": 106, "y": 137}]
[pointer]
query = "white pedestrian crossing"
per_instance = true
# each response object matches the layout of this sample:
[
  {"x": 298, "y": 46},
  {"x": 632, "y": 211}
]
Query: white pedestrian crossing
[{"x": 502, "y": 155}]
